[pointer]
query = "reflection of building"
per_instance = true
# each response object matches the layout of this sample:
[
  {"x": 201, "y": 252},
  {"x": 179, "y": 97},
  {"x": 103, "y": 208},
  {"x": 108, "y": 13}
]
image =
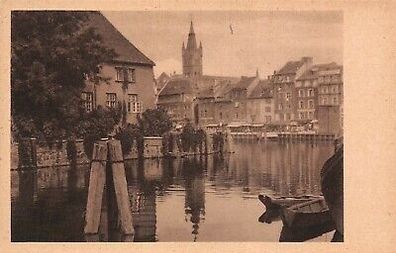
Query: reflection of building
[{"x": 195, "y": 194}]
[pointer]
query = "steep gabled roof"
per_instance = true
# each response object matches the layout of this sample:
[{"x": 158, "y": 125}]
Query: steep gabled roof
[
  {"x": 244, "y": 83},
  {"x": 290, "y": 67},
  {"x": 112, "y": 38},
  {"x": 177, "y": 86},
  {"x": 262, "y": 90}
]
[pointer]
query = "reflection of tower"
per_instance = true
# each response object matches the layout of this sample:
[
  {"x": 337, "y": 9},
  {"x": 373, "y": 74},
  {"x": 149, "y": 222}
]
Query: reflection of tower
[
  {"x": 192, "y": 56},
  {"x": 144, "y": 206},
  {"x": 195, "y": 194}
]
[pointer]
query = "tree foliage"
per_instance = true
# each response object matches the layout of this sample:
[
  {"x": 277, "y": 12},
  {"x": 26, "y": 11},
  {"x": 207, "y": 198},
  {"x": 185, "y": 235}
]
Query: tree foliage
[
  {"x": 52, "y": 55},
  {"x": 155, "y": 122}
]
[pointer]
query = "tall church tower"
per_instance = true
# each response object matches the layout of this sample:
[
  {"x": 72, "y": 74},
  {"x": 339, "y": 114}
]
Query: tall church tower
[{"x": 192, "y": 56}]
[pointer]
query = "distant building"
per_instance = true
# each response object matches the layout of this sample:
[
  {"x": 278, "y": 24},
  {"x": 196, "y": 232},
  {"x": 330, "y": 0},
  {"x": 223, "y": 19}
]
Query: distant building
[
  {"x": 161, "y": 81},
  {"x": 130, "y": 75},
  {"x": 285, "y": 91},
  {"x": 307, "y": 92},
  {"x": 330, "y": 96},
  {"x": 260, "y": 104},
  {"x": 192, "y": 56},
  {"x": 197, "y": 105},
  {"x": 177, "y": 98}
]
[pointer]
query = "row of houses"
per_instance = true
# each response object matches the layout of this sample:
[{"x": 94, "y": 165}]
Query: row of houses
[{"x": 300, "y": 92}]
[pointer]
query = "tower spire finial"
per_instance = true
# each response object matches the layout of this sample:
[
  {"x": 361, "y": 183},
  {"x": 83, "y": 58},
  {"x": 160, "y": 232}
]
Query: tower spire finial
[{"x": 191, "y": 28}]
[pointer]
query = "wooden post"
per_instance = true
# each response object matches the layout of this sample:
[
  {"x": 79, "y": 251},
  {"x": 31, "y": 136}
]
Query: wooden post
[
  {"x": 120, "y": 186},
  {"x": 96, "y": 185}
]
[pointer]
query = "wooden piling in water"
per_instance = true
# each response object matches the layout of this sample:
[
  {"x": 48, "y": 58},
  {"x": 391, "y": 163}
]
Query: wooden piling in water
[
  {"x": 120, "y": 186},
  {"x": 97, "y": 180}
]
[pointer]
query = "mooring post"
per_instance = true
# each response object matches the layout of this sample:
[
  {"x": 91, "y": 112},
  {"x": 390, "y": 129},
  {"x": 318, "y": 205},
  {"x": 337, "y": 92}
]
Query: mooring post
[
  {"x": 96, "y": 186},
  {"x": 120, "y": 187}
]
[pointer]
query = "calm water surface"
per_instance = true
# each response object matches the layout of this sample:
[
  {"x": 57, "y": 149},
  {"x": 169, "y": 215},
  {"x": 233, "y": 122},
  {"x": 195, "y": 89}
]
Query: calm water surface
[{"x": 192, "y": 199}]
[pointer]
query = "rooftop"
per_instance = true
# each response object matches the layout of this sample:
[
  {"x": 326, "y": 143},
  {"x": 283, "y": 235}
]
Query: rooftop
[
  {"x": 262, "y": 90},
  {"x": 112, "y": 38},
  {"x": 177, "y": 86}
]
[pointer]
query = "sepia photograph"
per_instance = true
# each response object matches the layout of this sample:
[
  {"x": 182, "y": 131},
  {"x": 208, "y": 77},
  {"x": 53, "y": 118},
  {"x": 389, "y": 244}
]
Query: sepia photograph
[{"x": 177, "y": 126}]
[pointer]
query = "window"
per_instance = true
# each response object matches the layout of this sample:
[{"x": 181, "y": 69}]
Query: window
[
  {"x": 221, "y": 115},
  {"x": 301, "y": 115},
  {"x": 310, "y": 103},
  {"x": 280, "y": 107},
  {"x": 310, "y": 93},
  {"x": 268, "y": 119},
  {"x": 335, "y": 100},
  {"x": 87, "y": 99},
  {"x": 111, "y": 100},
  {"x": 324, "y": 101},
  {"x": 125, "y": 74},
  {"x": 301, "y": 93},
  {"x": 324, "y": 89},
  {"x": 268, "y": 101},
  {"x": 334, "y": 89},
  {"x": 310, "y": 115},
  {"x": 288, "y": 96},
  {"x": 131, "y": 75},
  {"x": 267, "y": 109},
  {"x": 300, "y": 104},
  {"x": 134, "y": 105}
]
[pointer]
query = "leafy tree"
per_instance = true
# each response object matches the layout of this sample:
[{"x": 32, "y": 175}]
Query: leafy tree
[
  {"x": 52, "y": 55},
  {"x": 155, "y": 122}
]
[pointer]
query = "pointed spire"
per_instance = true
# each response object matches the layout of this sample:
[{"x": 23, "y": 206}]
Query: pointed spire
[
  {"x": 183, "y": 46},
  {"x": 257, "y": 72},
  {"x": 191, "y": 28},
  {"x": 191, "y": 43}
]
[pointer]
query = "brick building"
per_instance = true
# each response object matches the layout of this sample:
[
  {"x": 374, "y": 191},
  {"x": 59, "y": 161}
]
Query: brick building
[{"x": 130, "y": 75}]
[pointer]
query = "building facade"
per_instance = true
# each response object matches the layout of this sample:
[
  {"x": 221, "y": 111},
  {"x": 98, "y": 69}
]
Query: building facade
[
  {"x": 130, "y": 77},
  {"x": 330, "y": 100},
  {"x": 177, "y": 98},
  {"x": 260, "y": 105},
  {"x": 283, "y": 82}
]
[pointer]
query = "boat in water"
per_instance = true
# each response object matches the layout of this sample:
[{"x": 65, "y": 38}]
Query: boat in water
[
  {"x": 308, "y": 214},
  {"x": 281, "y": 202}
]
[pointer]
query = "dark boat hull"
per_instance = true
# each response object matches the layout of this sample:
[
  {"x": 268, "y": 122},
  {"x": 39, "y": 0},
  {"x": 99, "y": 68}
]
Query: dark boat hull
[
  {"x": 281, "y": 202},
  {"x": 305, "y": 220}
]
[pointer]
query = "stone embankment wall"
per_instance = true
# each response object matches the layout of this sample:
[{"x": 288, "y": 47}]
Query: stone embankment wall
[{"x": 36, "y": 154}]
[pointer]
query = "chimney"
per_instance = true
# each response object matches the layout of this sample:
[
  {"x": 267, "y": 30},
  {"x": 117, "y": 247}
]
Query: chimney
[{"x": 307, "y": 60}]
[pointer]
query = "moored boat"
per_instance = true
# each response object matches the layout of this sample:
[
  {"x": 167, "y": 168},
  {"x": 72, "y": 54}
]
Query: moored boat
[
  {"x": 280, "y": 202},
  {"x": 308, "y": 214}
]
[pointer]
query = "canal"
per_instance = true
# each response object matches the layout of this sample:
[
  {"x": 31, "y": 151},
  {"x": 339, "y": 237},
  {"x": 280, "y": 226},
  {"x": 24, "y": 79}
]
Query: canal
[{"x": 191, "y": 199}]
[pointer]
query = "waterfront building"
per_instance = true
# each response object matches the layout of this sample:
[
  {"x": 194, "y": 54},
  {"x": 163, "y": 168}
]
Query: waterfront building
[
  {"x": 285, "y": 93},
  {"x": 260, "y": 104},
  {"x": 307, "y": 92},
  {"x": 330, "y": 98},
  {"x": 130, "y": 75}
]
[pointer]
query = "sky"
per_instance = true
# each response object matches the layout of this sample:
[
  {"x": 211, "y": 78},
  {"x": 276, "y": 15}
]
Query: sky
[{"x": 263, "y": 40}]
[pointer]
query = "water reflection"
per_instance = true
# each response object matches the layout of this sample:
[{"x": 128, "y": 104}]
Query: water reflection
[{"x": 210, "y": 198}]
